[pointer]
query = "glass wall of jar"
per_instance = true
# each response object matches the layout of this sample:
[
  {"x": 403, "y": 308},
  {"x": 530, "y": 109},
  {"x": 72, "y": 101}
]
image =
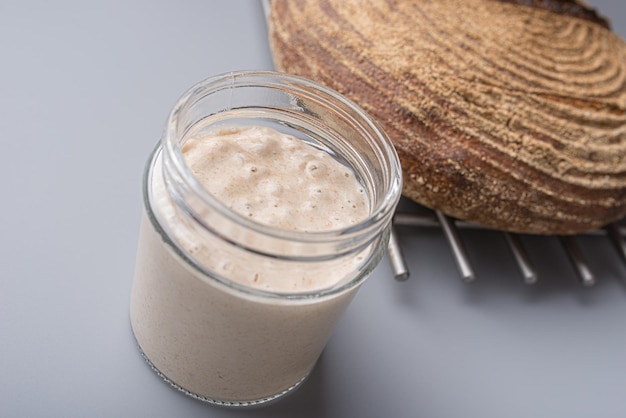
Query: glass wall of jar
[{"x": 231, "y": 310}]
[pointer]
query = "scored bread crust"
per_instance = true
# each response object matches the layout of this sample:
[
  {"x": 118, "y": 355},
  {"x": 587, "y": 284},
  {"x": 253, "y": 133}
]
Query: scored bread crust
[{"x": 503, "y": 114}]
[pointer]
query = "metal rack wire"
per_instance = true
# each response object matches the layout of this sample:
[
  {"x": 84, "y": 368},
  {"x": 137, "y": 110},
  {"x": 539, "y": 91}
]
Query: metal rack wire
[{"x": 615, "y": 232}]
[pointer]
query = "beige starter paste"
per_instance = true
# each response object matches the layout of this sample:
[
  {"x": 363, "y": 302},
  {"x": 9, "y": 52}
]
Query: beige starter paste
[{"x": 221, "y": 344}]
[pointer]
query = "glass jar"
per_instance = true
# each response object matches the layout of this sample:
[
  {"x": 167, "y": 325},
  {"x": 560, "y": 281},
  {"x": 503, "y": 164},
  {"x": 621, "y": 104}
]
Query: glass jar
[{"x": 214, "y": 337}]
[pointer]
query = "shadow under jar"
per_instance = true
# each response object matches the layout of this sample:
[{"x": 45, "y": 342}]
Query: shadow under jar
[{"x": 199, "y": 320}]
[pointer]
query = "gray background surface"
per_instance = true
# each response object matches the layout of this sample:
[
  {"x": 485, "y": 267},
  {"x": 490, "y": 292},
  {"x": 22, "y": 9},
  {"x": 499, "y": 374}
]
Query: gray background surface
[{"x": 84, "y": 92}]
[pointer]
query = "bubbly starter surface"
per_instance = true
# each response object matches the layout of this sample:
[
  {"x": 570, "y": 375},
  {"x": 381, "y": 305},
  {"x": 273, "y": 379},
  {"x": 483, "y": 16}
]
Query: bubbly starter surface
[{"x": 276, "y": 179}]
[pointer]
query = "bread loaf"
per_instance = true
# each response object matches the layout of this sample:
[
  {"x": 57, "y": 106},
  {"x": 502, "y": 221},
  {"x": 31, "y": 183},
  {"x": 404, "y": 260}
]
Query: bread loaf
[{"x": 510, "y": 114}]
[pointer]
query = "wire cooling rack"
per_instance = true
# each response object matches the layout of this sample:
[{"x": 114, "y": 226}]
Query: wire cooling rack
[{"x": 450, "y": 227}]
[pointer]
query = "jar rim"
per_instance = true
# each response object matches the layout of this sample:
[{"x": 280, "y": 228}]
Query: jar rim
[{"x": 278, "y": 80}]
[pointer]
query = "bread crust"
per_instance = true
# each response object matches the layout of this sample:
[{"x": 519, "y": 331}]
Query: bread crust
[{"x": 507, "y": 115}]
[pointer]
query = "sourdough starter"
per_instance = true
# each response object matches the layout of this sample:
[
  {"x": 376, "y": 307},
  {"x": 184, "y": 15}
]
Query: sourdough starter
[{"x": 218, "y": 342}]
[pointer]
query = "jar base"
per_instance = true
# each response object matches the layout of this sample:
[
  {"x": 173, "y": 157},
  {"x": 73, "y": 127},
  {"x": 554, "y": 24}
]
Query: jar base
[{"x": 223, "y": 403}]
